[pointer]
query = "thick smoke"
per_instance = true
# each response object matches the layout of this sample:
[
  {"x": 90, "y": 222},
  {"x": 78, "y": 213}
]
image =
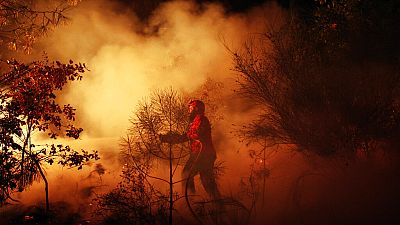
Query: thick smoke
[{"x": 181, "y": 46}]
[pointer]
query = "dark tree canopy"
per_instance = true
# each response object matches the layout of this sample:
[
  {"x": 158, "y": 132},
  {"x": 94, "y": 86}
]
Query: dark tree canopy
[{"x": 328, "y": 82}]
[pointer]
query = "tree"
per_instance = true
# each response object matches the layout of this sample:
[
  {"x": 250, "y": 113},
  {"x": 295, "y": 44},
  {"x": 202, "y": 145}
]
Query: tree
[
  {"x": 134, "y": 200},
  {"x": 28, "y": 104},
  {"x": 138, "y": 199},
  {"x": 164, "y": 112},
  {"x": 28, "y": 99},
  {"x": 22, "y": 22},
  {"x": 328, "y": 80}
]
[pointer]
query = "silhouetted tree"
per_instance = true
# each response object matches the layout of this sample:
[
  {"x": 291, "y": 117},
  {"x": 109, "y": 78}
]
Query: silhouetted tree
[
  {"x": 28, "y": 98},
  {"x": 28, "y": 104},
  {"x": 164, "y": 112},
  {"x": 327, "y": 81},
  {"x": 22, "y": 22}
]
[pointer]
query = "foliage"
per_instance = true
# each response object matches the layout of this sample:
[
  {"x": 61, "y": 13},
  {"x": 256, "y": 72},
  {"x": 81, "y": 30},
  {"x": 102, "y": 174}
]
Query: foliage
[
  {"x": 22, "y": 22},
  {"x": 133, "y": 201},
  {"x": 138, "y": 199},
  {"x": 164, "y": 112},
  {"x": 328, "y": 82},
  {"x": 28, "y": 105}
]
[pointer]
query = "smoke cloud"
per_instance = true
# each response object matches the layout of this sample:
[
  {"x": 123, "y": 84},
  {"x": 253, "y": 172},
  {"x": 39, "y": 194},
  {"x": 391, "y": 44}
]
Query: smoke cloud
[{"x": 181, "y": 45}]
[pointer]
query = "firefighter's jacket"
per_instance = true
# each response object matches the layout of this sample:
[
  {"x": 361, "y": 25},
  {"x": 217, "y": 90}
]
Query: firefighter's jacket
[{"x": 199, "y": 134}]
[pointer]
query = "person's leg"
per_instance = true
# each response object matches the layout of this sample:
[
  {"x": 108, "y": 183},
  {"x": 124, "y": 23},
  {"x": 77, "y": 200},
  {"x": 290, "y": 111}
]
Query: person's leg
[
  {"x": 188, "y": 173},
  {"x": 207, "y": 177}
]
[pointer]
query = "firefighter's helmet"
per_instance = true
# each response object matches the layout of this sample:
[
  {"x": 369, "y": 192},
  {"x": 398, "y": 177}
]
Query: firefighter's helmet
[{"x": 198, "y": 105}]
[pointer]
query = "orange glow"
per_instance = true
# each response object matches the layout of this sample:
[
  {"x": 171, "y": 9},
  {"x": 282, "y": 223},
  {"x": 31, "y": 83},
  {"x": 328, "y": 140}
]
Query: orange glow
[
  {"x": 184, "y": 49},
  {"x": 181, "y": 46}
]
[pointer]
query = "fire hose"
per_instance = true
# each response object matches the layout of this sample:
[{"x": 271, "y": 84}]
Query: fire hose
[
  {"x": 175, "y": 140},
  {"x": 172, "y": 138}
]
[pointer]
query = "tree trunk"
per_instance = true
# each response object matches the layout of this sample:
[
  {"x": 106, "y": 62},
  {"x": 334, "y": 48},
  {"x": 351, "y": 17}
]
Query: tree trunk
[
  {"x": 46, "y": 187},
  {"x": 26, "y": 143},
  {"x": 171, "y": 202},
  {"x": 171, "y": 184}
]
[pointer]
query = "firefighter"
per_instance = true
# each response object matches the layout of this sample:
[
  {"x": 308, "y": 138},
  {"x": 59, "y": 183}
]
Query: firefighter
[{"x": 202, "y": 154}]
